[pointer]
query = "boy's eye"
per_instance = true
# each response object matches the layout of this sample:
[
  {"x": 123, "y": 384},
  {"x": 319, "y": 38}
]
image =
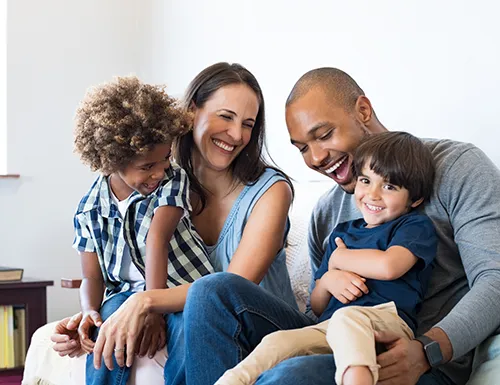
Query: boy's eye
[
  {"x": 390, "y": 187},
  {"x": 363, "y": 180}
]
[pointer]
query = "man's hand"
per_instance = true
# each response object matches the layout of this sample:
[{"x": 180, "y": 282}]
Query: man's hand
[
  {"x": 341, "y": 247},
  {"x": 90, "y": 319},
  {"x": 153, "y": 336},
  {"x": 404, "y": 361},
  {"x": 65, "y": 337},
  {"x": 344, "y": 285}
]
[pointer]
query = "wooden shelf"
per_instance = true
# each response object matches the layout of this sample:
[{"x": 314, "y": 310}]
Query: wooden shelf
[
  {"x": 9, "y": 176},
  {"x": 32, "y": 294}
]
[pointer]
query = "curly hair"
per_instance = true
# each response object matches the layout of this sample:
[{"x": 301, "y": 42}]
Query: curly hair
[{"x": 125, "y": 118}]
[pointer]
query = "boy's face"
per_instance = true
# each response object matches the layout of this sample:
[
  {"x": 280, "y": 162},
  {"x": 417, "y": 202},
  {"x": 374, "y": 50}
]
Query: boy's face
[
  {"x": 326, "y": 135},
  {"x": 144, "y": 173},
  {"x": 380, "y": 201}
]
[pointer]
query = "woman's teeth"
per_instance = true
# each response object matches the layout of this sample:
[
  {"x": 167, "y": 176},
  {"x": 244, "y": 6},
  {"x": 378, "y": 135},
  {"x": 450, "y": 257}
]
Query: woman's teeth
[{"x": 223, "y": 145}]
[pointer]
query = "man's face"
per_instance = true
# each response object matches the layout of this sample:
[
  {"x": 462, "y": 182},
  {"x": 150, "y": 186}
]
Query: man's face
[{"x": 326, "y": 135}]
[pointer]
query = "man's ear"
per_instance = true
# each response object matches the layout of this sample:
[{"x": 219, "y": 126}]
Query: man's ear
[
  {"x": 364, "y": 109},
  {"x": 417, "y": 203}
]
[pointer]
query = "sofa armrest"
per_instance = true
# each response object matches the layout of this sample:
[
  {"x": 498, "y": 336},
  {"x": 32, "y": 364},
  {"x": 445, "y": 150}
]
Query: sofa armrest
[{"x": 71, "y": 283}]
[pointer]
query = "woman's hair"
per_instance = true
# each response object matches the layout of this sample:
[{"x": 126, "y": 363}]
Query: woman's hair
[
  {"x": 401, "y": 159},
  {"x": 249, "y": 165},
  {"x": 122, "y": 119}
]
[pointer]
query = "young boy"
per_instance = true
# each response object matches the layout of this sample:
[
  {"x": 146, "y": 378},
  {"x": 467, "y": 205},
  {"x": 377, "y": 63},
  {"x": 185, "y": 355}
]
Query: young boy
[
  {"x": 135, "y": 217},
  {"x": 375, "y": 271}
]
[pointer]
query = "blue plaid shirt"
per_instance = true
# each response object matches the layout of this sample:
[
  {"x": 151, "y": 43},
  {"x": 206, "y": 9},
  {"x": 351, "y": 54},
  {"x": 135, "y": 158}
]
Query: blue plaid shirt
[{"x": 100, "y": 228}]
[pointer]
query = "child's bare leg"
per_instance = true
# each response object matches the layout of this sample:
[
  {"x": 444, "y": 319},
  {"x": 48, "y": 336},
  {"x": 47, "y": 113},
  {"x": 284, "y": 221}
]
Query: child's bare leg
[
  {"x": 275, "y": 348},
  {"x": 358, "y": 375}
]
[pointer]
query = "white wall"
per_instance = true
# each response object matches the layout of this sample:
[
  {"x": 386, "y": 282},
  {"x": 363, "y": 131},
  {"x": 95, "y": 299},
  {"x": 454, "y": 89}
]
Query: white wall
[
  {"x": 56, "y": 49},
  {"x": 429, "y": 67}
]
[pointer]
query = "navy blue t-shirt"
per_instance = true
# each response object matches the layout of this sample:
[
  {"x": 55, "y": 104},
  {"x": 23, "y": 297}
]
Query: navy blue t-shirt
[{"x": 413, "y": 231}]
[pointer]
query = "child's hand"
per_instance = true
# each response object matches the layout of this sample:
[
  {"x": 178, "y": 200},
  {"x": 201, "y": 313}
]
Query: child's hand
[
  {"x": 153, "y": 335},
  {"x": 340, "y": 248},
  {"x": 65, "y": 337},
  {"x": 345, "y": 286},
  {"x": 90, "y": 319}
]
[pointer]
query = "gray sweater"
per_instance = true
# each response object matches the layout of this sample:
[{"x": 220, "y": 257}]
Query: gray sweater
[{"x": 463, "y": 298}]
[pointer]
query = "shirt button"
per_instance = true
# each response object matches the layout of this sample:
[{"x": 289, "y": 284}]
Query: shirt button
[{"x": 120, "y": 250}]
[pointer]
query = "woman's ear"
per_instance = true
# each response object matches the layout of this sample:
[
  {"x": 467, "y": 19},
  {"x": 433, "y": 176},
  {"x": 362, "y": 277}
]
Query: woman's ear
[{"x": 417, "y": 203}]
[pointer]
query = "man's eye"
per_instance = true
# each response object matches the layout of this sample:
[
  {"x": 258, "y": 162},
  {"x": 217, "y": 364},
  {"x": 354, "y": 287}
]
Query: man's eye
[
  {"x": 326, "y": 136},
  {"x": 303, "y": 149}
]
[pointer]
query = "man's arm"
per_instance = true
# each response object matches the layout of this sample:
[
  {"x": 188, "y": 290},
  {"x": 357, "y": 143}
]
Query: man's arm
[{"x": 469, "y": 191}]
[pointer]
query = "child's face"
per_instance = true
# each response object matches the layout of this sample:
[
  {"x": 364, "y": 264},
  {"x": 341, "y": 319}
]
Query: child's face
[
  {"x": 144, "y": 173},
  {"x": 223, "y": 126},
  {"x": 380, "y": 201}
]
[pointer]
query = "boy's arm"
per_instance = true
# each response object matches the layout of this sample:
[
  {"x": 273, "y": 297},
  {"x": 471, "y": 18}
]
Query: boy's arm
[
  {"x": 163, "y": 225},
  {"x": 320, "y": 297},
  {"x": 91, "y": 293},
  {"x": 371, "y": 263}
]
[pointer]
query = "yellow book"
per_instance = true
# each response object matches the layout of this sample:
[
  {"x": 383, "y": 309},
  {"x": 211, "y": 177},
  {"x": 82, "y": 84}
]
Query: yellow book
[
  {"x": 19, "y": 336},
  {"x": 3, "y": 340},
  {"x": 10, "y": 337}
]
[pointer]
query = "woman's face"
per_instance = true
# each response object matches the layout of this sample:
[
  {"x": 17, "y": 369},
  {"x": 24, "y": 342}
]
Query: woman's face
[{"x": 223, "y": 126}]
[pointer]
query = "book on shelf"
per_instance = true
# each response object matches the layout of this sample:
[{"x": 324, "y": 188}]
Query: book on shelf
[
  {"x": 10, "y": 273},
  {"x": 12, "y": 336}
]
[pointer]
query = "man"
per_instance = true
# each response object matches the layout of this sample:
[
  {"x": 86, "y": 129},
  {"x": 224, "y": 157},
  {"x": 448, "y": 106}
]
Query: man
[{"x": 328, "y": 115}]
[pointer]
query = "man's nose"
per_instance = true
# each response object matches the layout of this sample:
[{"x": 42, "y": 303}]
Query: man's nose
[{"x": 319, "y": 156}]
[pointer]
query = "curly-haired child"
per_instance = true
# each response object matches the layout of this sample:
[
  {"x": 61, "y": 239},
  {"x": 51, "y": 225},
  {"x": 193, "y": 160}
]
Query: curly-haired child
[{"x": 132, "y": 228}]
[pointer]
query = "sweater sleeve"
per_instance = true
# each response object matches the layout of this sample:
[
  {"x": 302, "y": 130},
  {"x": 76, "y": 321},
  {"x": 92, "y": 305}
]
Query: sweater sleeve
[{"x": 470, "y": 192}]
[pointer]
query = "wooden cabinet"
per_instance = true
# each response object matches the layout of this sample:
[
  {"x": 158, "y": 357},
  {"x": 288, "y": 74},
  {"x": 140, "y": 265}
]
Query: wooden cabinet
[{"x": 32, "y": 295}]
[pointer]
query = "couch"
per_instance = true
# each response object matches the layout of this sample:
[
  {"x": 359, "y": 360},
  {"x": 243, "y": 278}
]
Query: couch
[{"x": 44, "y": 366}]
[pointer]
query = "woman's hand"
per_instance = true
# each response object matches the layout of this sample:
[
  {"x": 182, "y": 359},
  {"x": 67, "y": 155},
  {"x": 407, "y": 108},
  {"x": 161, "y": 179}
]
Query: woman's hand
[
  {"x": 119, "y": 332},
  {"x": 66, "y": 339},
  {"x": 345, "y": 286},
  {"x": 89, "y": 320}
]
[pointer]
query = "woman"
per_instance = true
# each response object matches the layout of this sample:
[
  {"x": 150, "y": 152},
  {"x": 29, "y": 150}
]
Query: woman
[{"x": 240, "y": 210}]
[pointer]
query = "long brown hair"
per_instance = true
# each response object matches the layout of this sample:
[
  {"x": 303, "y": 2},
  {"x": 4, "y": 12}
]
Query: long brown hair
[{"x": 250, "y": 163}]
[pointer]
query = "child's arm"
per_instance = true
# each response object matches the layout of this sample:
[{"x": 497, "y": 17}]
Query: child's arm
[
  {"x": 343, "y": 285},
  {"x": 372, "y": 263},
  {"x": 91, "y": 293},
  {"x": 163, "y": 225}
]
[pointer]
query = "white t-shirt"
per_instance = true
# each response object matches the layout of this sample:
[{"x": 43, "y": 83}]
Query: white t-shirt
[{"x": 128, "y": 271}]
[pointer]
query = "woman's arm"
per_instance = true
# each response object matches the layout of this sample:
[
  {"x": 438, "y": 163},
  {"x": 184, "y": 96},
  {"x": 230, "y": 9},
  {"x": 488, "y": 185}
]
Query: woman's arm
[{"x": 263, "y": 234}]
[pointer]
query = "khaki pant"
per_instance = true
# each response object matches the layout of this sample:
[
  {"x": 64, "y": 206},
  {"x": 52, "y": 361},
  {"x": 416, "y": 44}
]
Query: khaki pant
[{"x": 349, "y": 333}]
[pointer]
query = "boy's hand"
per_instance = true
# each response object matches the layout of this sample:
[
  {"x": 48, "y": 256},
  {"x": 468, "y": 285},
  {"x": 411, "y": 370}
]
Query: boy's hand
[
  {"x": 65, "y": 336},
  {"x": 90, "y": 319},
  {"x": 345, "y": 286},
  {"x": 153, "y": 335},
  {"x": 341, "y": 247}
]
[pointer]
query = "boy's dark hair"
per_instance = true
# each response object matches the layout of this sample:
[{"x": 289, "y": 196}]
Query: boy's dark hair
[
  {"x": 125, "y": 118},
  {"x": 401, "y": 159}
]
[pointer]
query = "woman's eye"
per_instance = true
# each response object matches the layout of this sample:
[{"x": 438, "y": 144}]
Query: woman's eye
[
  {"x": 226, "y": 117},
  {"x": 248, "y": 125}
]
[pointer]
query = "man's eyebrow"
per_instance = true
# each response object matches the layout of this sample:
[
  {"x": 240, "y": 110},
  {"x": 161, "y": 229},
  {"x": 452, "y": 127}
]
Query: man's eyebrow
[{"x": 312, "y": 131}]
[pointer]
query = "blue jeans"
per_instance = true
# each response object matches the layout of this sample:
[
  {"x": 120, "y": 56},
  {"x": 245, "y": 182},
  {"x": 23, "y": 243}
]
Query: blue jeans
[
  {"x": 226, "y": 316},
  {"x": 119, "y": 376},
  {"x": 486, "y": 365},
  {"x": 104, "y": 376}
]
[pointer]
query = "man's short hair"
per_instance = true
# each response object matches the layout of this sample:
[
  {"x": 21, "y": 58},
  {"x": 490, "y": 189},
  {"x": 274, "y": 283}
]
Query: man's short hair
[{"x": 338, "y": 85}]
